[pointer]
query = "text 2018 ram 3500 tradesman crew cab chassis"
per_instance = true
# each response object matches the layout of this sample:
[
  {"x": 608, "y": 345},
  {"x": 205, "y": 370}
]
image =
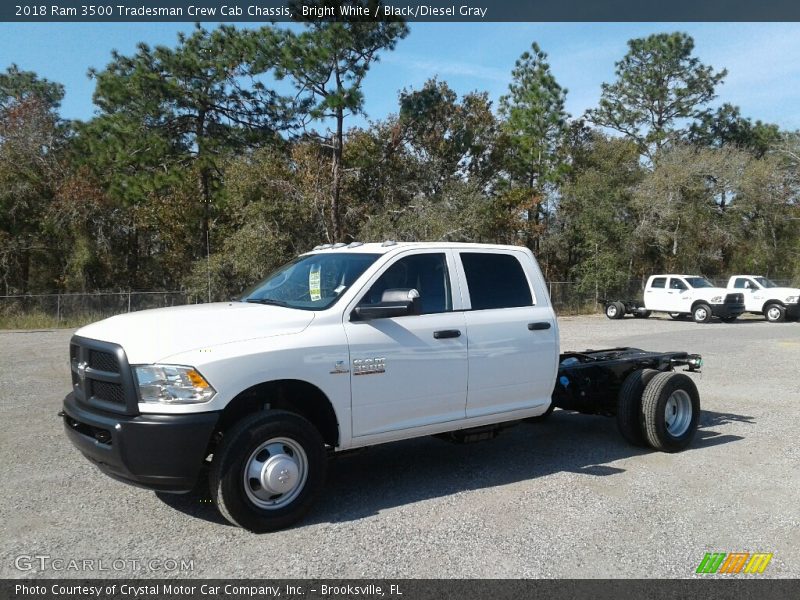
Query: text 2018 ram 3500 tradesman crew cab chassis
[{"x": 348, "y": 346}]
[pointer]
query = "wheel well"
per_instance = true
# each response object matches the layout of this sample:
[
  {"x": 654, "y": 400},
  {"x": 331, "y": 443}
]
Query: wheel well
[
  {"x": 768, "y": 302},
  {"x": 292, "y": 395},
  {"x": 697, "y": 302}
]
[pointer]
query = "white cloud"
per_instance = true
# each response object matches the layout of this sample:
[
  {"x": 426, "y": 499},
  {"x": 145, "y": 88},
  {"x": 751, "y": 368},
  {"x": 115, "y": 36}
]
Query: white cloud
[{"x": 429, "y": 67}]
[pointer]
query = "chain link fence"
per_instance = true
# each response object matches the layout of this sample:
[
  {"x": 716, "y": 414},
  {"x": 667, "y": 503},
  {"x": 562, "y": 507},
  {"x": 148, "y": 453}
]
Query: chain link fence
[
  {"x": 72, "y": 310},
  {"x": 65, "y": 310}
]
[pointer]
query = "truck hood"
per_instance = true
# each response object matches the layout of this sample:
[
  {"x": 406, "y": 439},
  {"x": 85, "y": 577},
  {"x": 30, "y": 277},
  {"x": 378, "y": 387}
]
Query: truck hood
[{"x": 154, "y": 335}]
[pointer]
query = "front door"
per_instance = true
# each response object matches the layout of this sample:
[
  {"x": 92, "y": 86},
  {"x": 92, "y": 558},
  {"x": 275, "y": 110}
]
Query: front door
[
  {"x": 409, "y": 371},
  {"x": 679, "y": 298}
]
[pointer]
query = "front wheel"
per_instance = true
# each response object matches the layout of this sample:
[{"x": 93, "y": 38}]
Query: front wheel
[
  {"x": 268, "y": 471},
  {"x": 642, "y": 314},
  {"x": 676, "y": 316},
  {"x": 702, "y": 313},
  {"x": 730, "y": 319},
  {"x": 775, "y": 313},
  {"x": 670, "y": 411}
]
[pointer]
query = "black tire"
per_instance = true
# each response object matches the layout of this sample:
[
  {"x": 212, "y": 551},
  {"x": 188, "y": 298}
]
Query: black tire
[
  {"x": 238, "y": 449},
  {"x": 662, "y": 389},
  {"x": 615, "y": 310},
  {"x": 644, "y": 314},
  {"x": 542, "y": 417},
  {"x": 730, "y": 319},
  {"x": 701, "y": 313},
  {"x": 775, "y": 313},
  {"x": 677, "y": 316},
  {"x": 629, "y": 406}
]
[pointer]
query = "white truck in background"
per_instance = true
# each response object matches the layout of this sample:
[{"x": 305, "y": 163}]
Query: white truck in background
[
  {"x": 764, "y": 297},
  {"x": 681, "y": 296}
]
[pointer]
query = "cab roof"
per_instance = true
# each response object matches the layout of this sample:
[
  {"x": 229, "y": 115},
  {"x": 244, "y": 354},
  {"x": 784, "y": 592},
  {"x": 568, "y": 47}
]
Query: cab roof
[{"x": 390, "y": 245}]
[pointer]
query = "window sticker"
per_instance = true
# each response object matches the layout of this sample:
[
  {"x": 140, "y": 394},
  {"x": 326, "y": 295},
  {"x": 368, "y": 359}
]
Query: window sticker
[{"x": 314, "y": 279}]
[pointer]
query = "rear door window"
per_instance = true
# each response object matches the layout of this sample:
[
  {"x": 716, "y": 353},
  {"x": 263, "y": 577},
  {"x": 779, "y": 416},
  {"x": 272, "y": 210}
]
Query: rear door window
[
  {"x": 495, "y": 280},
  {"x": 659, "y": 282}
]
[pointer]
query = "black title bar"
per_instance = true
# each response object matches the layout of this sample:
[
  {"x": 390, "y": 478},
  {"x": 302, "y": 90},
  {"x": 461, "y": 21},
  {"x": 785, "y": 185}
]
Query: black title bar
[
  {"x": 740, "y": 588},
  {"x": 429, "y": 10}
]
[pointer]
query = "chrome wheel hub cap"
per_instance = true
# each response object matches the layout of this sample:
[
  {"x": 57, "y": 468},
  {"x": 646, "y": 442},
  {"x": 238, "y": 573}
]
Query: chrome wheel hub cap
[
  {"x": 611, "y": 311},
  {"x": 700, "y": 314},
  {"x": 275, "y": 473},
  {"x": 678, "y": 413},
  {"x": 773, "y": 314}
]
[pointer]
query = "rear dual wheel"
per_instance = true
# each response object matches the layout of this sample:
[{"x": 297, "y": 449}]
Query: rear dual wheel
[
  {"x": 615, "y": 310},
  {"x": 659, "y": 409}
]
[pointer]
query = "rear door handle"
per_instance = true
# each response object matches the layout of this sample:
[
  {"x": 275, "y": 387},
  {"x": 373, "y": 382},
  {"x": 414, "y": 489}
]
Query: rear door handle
[
  {"x": 539, "y": 326},
  {"x": 446, "y": 333}
]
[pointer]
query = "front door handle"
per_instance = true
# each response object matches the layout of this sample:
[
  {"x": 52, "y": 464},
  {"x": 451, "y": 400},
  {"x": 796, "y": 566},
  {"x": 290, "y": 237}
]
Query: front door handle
[
  {"x": 446, "y": 333},
  {"x": 539, "y": 326}
]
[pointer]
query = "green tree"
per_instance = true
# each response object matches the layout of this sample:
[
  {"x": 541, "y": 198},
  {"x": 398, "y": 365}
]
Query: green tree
[
  {"x": 534, "y": 123},
  {"x": 660, "y": 86},
  {"x": 171, "y": 113},
  {"x": 327, "y": 64},
  {"x": 727, "y": 127},
  {"x": 448, "y": 137},
  {"x": 595, "y": 218},
  {"x": 32, "y": 137}
]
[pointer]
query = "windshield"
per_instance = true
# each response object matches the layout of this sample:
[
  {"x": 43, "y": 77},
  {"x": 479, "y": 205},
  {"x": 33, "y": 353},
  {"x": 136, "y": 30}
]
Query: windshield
[
  {"x": 764, "y": 282},
  {"x": 699, "y": 282},
  {"x": 312, "y": 282}
]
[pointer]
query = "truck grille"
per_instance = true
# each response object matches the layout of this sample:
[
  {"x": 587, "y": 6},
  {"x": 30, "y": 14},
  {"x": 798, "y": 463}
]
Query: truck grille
[
  {"x": 103, "y": 361},
  {"x": 101, "y": 376},
  {"x": 734, "y": 299},
  {"x": 110, "y": 392}
]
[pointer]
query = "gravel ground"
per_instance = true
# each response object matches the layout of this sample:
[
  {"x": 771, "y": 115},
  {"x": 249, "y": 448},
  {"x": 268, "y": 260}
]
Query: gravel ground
[{"x": 566, "y": 498}]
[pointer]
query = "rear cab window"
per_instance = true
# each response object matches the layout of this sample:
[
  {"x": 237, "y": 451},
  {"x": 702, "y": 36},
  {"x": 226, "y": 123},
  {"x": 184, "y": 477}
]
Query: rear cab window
[{"x": 495, "y": 280}]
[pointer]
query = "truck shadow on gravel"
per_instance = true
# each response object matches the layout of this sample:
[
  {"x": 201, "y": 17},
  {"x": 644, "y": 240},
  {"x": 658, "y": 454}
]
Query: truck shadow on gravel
[{"x": 360, "y": 485}]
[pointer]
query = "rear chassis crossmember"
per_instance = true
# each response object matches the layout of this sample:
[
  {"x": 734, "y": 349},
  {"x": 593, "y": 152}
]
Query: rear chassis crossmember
[{"x": 589, "y": 382}]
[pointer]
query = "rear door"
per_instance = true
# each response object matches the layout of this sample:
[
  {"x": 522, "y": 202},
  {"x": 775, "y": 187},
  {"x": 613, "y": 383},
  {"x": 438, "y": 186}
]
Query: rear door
[
  {"x": 513, "y": 344},
  {"x": 655, "y": 294}
]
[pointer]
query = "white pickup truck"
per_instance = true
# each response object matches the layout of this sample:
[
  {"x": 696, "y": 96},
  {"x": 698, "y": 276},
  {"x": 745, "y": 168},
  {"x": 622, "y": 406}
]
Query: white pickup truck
[
  {"x": 681, "y": 296},
  {"x": 764, "y": 297},
  {"x": 344, "y": 347}
]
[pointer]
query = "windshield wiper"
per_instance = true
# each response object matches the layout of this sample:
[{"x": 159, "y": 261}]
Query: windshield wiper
[{"x": 268, "y": 301}]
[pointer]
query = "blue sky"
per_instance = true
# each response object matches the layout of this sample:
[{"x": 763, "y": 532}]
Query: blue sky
[{"x": 763, "y": 60}]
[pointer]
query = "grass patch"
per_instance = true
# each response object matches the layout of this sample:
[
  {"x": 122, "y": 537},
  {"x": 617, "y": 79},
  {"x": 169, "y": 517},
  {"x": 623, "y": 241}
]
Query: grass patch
[{"x": 42, "y": 320}]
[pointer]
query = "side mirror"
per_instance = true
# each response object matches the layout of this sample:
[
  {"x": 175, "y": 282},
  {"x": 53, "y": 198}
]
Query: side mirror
[{"x": 394, "y": 303}]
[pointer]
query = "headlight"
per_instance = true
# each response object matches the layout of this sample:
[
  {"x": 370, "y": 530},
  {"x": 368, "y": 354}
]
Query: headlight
[
  {"x": 716, "y": 300},
  {"x": 792, "y": 299},
  {"x": 171, "y": 384}
]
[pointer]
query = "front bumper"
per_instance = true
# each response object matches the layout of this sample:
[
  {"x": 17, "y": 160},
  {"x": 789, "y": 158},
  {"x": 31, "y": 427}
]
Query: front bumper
[
  {"x": 793, "y": 310},
  {"x": 159, "y": 452},
  {"x": 727, "y": 310}
]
